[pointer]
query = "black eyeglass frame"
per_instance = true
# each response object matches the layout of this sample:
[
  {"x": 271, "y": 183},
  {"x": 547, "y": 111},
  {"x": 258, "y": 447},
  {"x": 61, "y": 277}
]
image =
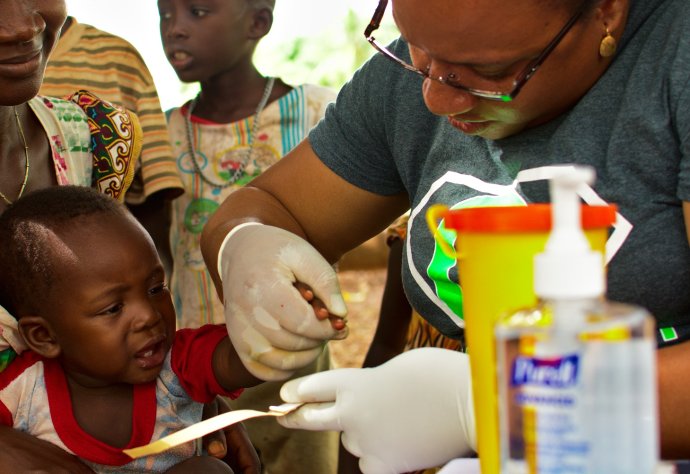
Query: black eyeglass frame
[{"x": 520, "y": 80}]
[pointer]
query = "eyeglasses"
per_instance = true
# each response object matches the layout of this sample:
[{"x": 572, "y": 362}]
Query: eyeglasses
[{"x": 451, "y": 79}]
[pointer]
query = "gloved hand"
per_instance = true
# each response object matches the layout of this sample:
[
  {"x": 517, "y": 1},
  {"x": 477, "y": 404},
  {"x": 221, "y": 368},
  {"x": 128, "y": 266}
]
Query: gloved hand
[
  {"x": 272, "y": 327},
  {"x": 413, "y": 412}
]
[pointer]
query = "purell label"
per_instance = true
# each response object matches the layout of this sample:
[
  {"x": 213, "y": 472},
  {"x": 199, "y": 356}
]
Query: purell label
[{"x": 558, "y": 372}]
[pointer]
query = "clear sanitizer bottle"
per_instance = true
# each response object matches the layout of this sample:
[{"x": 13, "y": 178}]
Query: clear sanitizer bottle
[{"x": 576, "y": 374}]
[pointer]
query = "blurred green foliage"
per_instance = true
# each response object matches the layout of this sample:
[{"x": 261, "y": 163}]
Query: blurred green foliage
[{"x": 329, "y": 58}]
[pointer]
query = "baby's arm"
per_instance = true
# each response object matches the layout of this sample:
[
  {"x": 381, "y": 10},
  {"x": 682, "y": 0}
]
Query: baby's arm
[{"x": 230, "y": 373}]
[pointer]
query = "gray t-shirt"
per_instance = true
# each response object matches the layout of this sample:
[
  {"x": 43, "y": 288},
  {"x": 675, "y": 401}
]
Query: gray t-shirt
[{"x": 633, "y": 126}]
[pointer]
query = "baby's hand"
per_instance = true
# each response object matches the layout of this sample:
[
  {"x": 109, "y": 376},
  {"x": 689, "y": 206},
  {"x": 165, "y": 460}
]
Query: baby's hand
[{"x": 338, "y": 323}]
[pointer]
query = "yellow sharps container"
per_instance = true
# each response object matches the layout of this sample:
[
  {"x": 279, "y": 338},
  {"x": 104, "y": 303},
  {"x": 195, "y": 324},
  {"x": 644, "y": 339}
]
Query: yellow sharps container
[{"x": 495, "y": 249}]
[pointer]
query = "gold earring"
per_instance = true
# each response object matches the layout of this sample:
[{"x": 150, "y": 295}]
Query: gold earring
[{"x": 607, "y": 47}]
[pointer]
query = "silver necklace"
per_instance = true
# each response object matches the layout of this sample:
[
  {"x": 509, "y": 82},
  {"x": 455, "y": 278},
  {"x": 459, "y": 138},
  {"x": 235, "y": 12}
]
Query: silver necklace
[
  {"x": 251, "y": 138},
  {"x": 27, "y": 163}
]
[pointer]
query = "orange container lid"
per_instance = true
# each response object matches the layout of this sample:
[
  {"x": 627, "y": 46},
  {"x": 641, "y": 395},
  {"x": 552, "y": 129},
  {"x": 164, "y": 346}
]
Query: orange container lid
[{"x": 529, "y": 218}]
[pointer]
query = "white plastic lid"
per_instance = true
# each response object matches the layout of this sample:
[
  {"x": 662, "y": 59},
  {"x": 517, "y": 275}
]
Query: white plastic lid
[{"x": 568, "y": 268}]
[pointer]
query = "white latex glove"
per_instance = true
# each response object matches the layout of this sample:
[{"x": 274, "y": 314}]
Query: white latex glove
[
  {"x": 272, "y": 327},
  {"x": 413, "y": 412}
]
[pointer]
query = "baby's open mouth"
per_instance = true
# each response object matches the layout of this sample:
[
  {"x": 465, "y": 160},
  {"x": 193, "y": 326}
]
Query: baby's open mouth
[{"x": 152, "y": 355}]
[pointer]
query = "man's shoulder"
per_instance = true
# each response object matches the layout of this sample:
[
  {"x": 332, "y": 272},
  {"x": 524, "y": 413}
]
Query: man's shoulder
[
  {"x": 89, "y": 37},
  {"x": 95, "y": 33}
]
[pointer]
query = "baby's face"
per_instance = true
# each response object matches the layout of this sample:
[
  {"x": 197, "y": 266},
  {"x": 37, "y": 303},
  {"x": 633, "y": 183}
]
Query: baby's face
[{"x": 112, "y": 313}]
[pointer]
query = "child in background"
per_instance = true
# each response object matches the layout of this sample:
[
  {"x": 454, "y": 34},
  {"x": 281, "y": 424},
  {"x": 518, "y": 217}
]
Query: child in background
[
  {"x": 105, "y": 369},
  {"x": 240, "y": 124}
]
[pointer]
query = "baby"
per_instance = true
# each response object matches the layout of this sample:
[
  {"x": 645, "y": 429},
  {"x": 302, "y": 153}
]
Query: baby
[{"x": 105, "y": 369}]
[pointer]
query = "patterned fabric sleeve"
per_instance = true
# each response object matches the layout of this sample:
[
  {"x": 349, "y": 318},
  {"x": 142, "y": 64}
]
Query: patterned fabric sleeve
[{"x": 116, "y": 140}]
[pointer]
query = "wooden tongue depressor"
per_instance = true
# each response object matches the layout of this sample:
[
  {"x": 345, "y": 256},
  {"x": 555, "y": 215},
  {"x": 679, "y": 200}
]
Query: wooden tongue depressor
[{"x": 205, "y": 427}]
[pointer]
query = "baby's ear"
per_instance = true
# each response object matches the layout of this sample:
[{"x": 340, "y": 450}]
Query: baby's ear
[{"x": 39, "y": 336}]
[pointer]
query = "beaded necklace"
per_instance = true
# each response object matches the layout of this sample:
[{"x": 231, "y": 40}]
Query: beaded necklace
[{"x": 251, "y": 139}]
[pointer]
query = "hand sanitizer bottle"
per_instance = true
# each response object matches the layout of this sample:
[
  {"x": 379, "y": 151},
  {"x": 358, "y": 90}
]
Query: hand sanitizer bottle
[{"x": 576, "y": 374}]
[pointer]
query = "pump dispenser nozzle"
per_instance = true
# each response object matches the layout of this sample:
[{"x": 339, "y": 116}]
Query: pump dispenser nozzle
[{"x": 568, "y": 268}]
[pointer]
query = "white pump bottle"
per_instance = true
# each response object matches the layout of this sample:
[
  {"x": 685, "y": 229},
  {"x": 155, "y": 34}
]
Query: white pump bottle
[{"x": 576, "y": 374}]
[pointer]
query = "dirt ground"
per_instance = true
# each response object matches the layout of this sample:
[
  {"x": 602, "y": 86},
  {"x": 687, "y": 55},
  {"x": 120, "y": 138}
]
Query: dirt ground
[{"x": 362, "y": 290}]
